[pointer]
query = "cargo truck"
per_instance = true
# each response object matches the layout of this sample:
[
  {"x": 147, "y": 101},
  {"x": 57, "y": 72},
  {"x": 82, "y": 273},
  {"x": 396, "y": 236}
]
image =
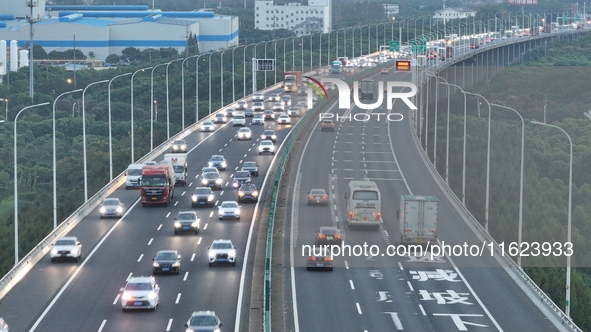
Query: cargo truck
[
  {"x": 418, "y": 219},
  {"x": 157, "y": 184},
  {"x": 367, "y": 87},
  {"x": 474, "y": 42},
  {"x": 292, "y": 81},
  {"x": 179, "y": 163}
]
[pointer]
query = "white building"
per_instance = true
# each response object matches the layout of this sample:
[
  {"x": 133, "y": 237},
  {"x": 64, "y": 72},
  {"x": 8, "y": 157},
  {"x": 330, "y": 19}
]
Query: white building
[
  {"x": 106, "y": 30},
  {"x": 453, "y": 13},
  {"x": 303, "y": 20},
  {"x": 391, "y": 10}
]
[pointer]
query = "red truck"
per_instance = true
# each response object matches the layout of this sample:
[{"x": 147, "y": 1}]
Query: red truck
[
  {"x": 157, "y": 184},
  {"x": 292, "y": 81}
]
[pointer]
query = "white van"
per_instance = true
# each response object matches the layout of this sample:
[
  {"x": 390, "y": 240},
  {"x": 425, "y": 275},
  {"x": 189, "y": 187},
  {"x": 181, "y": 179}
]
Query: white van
[
  {"x": 294, "y": 112},
  {"x": 134, "y": 172}
]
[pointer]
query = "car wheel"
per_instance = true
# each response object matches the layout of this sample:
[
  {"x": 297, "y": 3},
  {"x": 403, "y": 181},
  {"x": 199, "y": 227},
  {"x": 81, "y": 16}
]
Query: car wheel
[
  {"x": 260, "y": 153},
  {"x": 52, "y": 260},
  {"x": 102, "y": 217},
  {"x": 210, "y": 264},
  {"x": 238, "y": 218},
  {"x": 179, "y": 271},
  {"x": 330, "y": 269},
  {"x": 197, "y": 231},
  {"x": 126, "y": 187},
  {"x": 307, "y": 268},
  {"x": 144, "y": 205},
  {"x": 175, "y": 232},
  {"x": 233, "y": 263}
]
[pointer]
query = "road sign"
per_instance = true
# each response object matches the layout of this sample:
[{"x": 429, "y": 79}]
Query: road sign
[
  {"x": 419, "y": 45},
  {"x": 394, "y": 46},
  {"x": 265, "y": 64},
  {"x": 402, "y": 65}
]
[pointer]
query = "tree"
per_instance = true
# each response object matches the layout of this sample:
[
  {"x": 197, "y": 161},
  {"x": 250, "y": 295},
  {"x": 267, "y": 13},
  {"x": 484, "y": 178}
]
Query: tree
[{"x": 91, "y": 55}]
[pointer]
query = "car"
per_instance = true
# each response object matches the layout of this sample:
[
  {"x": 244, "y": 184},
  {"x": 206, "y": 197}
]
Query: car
[
  {"x": 317, "y": 197},
  {"x": 257, "y": 120},
  {"x": 251, "y": 167},
  {"x": 3, "y": 325},
  {"x": 249, "y": 112},
  {"x": 240, "y": 177},
  {"x": 286, "y": 99},
  {"x": 248, "y": 192},
  {"x": 212, "y": 180},
  {"x": 244, "y": 134},
  {"x": 274, "y": 97},
  {"x": 238, "y": 112},
  {"x": 207, "y": 126},
  {"x": 166, "y": 261},
  {"x": 209, "y": 170},
  {"x": 229, "y": 112},
  {"x": 67, "y": 247},
  {"x": 268, "y": 115},
  {"x": 327, "y": 125},
  {"x": 319, "y": 258},
  {"x": 229, "y": 209},
  {"x": 186, "y": 221},
  {"x": 266, "y": 146},
  {"x": 179, "y": 145},
  {"x": 283, "y": 119},
  {"x": 220, "y": 118},
  {"x": 140, "y": 293},
  {"x": 203, "y": 321},
  {"x": 221, "y": 251},
  {"x": 111, "y": 207},
  {"x": 217, "y": 161},
  {"x": 294, "y": 112},
  {"x": 269, "y": 134},
  {"x": 202, "y": 196},
  {"x": 328, "y": 236},
  {"x": 239, "y": 120},
  {"x": 278, "y": 107},
  {"x": 258, "y": 107},
  {"x": 384, "y": 71},
  {"x": 241, "y": 104},
  {"x": 258, "y": 97}
]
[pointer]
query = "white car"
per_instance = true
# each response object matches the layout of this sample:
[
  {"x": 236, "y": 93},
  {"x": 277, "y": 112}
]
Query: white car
[
  {"x": 242, "y": 104},
  {"x": 209, "y": 170},
  {"x": 258, "y": 97},
  {"x": 274, "y": 97},
  {"x": 238, "y": 112},
  {"x": 258, "y": 107},
  {"x": 239, "y": 120},
  {"x": 111, "y": 207},
  {"x": 66, "y": 248},
  {"x": 207, "y": 126},
  {"x": 278, "y": 107},
  {"x": 286, "y": 100},
  {"x": 140, "y": 293},
  {"x": 284, "y": 119},
  {"x": 244, "y": 134},
  {"x": 266, "y": 146},
  {"x": 229, "y": 209},
  {"x": 221, "y": 251}
]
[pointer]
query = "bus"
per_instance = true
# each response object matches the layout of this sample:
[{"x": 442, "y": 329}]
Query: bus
[
  {"x": 363, "y": 201},
  {"x": 336, "y": 67}
]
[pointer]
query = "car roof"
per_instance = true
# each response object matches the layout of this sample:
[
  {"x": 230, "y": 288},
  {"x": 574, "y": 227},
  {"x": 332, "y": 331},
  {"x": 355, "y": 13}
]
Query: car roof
[
  {"x": 219, "y": 114},
  {"x": 266, "y": 141},
  {"x": 191, "y": 212},
  {"x": 233, "y": 202},
  {"x": 249, "y": 162},
  {"x": 179, "y": 140},
  {"x": 244, "y": 129},
  {"x": 221, "y": 241},
  {"x": 141, "y": 279},
  {"x": 207, "y": 122},
  {"x": 167, "y": 252},
  {"x": 111, "y": 199},
  {"x": 284, "y": 116},
  {"x": 328, "y": 228},
  {"x": 67, "y": 238}
]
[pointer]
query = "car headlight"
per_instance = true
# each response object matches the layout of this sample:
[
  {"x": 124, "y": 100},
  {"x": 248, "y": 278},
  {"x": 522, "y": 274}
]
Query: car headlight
[
  {"x": 194, "y": 198},
  {"x": 260, "y": 148},
  {"x": 126, "y": 296},
  {"x": 175, "y": 147},
  {"x": 152, "y": 296},
  {"x": 223, "y": 164},
  {"x": 102, "y": 210},
  {"x": 235, "y": 184},
  {"x": 237, "y": 212},
  {"x": 183, "y": 147},
  {"x": 240, "y": 193},
  {"x": 119, "y": 209},
  {"x": 210, "y": 198},
  {"x": 210, "y": 163},
  {"x": 255, "y": 193},
  {"x": 176, "y": 264},
  {"x": 272, "y": 148},
  {"x": 217, "y": 330},
  {"x": 195, "y": 224},
  {"x": 204, "y": 181},
  {"x": 220, "y": 211},
  {"x": 232, "y": 253},
  {"x": 218, "y": 181},
  {"x": 155, "y": 264},
  {"x": 177, "y": 224},
  {"x": 274, "y": 137},
  {"x": 212, "y": 254},
  {"x": 53, "y": 251},
  {"x": 248, "y": 135}
]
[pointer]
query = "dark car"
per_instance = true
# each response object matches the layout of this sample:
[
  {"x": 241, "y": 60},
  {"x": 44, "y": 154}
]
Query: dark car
[
  {"x": 268, "y": 115},
  {"x": 229, "y": 112},
  {"x": 327, "y": 125},
  {"x": 212, "y": 180},
  {"x": 270, "y": 135},
  {"x": 248, "y": 192},
  {"x": 217, "y": 161},
  {"x": 166, "y": 261},
  {"x": 202, "y": 196},
  {"x": 319, "y": 258},
  {"x": 329, "y": 236},
  {"x": 220, "y": 118},
  {"x": 186, "y": 221},
  {"x": 317, "y": 197},
  {"x": 239, "y": 178},
  {"x": 251, "y": 167},
  {"x": 249, "y": 112}
]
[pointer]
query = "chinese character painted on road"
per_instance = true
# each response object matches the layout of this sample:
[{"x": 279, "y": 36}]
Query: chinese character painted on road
[
  {"x": 447, "y": 297},
  {"x": 439, "y": 274}
]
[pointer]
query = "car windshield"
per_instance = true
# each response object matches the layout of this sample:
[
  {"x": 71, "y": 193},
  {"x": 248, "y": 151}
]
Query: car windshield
[
  {"x": 365, "y": 195},
  {"x": 139, "y": 286},
  {"x": 167, "y": 256},
  {"x": 216, "y": 158},
  {"x": 241, "y": 117},
  {"x": 283, "y": 116},
  {"x": 258, "y": 116},
  {"x": 244, "y": 130},
  {"x": 211, "y": 175},
  {"x": 221, "y": 245},
  {"x": 203, "y": 321},
  {"x": 317, "y": 192},
  {"x": 229, "y": 205},
  {"x": 134, "y": 172},
  {"x": 153, "y": 181},
  {"x": 110, "y": 202},
  {"x": 179, "y": 168},
  {"x": 268, "y": 132},
  {"x": 65, "y": 242},
  {"x": 204, "y": 191},
  {"x": 178, "y": 142},
  {"x": 241, "y": 174},
  {"x": 219, "y": 115},
  {"x": 207, "y": 123},
  {"x": 268, "y": 112},
  {"x": 266, "y": 143},
  {"x": 250, "y": 164},
  {"x": 186, "y": 216},
  {"x": 328, "y": 230},
  {"x": 248, "y": 187}
]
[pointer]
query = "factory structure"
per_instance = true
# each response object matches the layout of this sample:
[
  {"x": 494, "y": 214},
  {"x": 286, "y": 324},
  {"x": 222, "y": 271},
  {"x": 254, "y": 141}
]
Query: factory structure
[{"x": 105, "y": 30}]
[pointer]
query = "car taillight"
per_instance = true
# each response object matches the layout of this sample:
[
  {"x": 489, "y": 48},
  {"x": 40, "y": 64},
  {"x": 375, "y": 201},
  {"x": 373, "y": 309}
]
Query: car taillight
[
  {"x": 378, "y": 216},
  {"x": 322, "y": 236},
  {"x": 327, "y": 259},
  {"x": 337, "y": 236},
  {"x": 324, "y": 197},
  {"x": 311, "y": 197},
  {"x": 311, "y": 258},
  {"x": 332, "y": 124},
  {"x": 350, "y": 214}
]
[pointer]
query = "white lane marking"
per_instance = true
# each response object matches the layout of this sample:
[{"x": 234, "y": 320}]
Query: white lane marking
[
  {"x": 222, "y": 192},
  {"x": 396, "y": 320},
  {"x": 102, "y": 325},
  {"x": 150, "y": 242},
  {"x": 186, "y": 274},
  {"x": 410, "y": 286},
  {"x": 346, "y": 265},
  {"x": 191, "y": 184},
  {"x": 358, "y": 308},
  {"x": 199, "y": 241},
  {"x": 183, "y": 194},
  {"x": 116, "y": 299},
  {"x": 205, "y": 227},
  {"x": 400, "y": 265},
  {"x": 169, "y": 325},
  {"x": 351, "y": 283},
  {"x": 193, "y": 256},
  {"x": 59, "y": 294},
  {"x": 129, "y": 276},
  {"x": 178, "y": 298},
  {"x": 159, "y": 227},
  {"x": 175, "y": 203},
  {"x": 140, "y": 259},
  {"x": 168, "y": 215},
  {"x": 422, "y": 310},
  {"x": 216, "y": 203}
]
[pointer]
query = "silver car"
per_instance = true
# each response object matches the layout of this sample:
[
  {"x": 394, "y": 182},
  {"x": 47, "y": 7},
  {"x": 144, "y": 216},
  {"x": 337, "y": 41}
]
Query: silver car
[
  {"x": 242, "y": 104},
  {"x": 284, "y": 119},
  {"x": 257, "y": 120},
  {"x": 266, "y": 146},
  {"x": 244, "y": 134},
  {"x": 111, "y": 207},
  {"x": 229, "y": 209},
  {"x": 140, "y": 293},
  {"x": 274, "y": 97},
  {"x": 258, "y": 97},
  {"x": 278, "y": 107},
  {"x": 258, "y": 107},
  {"x": 207, "y": 126},
  {"x": 203, "y": 321}
]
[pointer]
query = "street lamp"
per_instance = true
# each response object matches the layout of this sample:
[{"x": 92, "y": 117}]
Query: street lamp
[
  {"x": 132, "y": 136},
  {"x": 110, "y": 137},
  {"x": 519, "y": 232},
  {"x": 5, "y": 102},
  {"x": 84, "y": 137},
  {"x": 197, "y": 86},
  {"x": 55, "y": 162},
  {"x": 183, "y": 89},
  {"x": 152, "y": 105},
  {"x": 168, "y": 101},
  {"x": 570, "y": 202},
  {"x": 16, "y": 184},
  {"x": 222, "y": 78}
]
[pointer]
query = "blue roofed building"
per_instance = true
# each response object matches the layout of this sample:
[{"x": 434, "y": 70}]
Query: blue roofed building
[{"x": 106, "y": 30}]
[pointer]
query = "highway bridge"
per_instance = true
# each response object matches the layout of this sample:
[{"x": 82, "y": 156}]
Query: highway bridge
[{"x": 375, "y": 293}]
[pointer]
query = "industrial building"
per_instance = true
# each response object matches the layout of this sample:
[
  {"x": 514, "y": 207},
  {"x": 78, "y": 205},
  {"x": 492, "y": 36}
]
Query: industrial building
[
  {"x": 303, "y": 20},
  {"x": 105, "y": 30}
]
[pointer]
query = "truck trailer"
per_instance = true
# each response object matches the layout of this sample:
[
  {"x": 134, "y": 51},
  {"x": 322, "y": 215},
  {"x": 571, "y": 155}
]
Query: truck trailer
[
  {"x": 474, "y": 42},
  {"x": 292, "y": 81},
  {"x": 366, "y": 88},
  {"x": 157, "y": 184},
  {"x": 418, "y": 219},
  {"x": 179, "y": 163}
]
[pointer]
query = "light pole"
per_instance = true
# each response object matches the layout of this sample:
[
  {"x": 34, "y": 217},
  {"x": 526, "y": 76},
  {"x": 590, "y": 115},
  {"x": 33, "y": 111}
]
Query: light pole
[
  {"x": 183, "y": 89},
  {"x": 210, "y": 82},
  {"x": 16, "y": 184},
  {"x": 152, "y": 106},
  {"x": 570, "y": 202},
  {"x": 197, "y": 86},
  {"x": 222, "y": 78},
  {"x": 132, "y": 136},
  {"x": 84, "y": 137},
  {"x": 5, "y": 102},
  {"x": 110, "y": 137},
  {"x": 233, "y": 75},
  {"x": 520, "y": 230},
  {"x": 55, "y": 161},
  {"x": 168, "y": 101}
]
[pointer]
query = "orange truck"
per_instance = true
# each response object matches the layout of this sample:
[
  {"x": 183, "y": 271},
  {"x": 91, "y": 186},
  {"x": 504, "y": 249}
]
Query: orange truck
[{"x": 157, "y": 184}]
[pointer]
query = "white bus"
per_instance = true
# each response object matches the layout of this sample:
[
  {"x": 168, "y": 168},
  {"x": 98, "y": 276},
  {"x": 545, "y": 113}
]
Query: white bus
[{"x": 363, "y": 201}]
